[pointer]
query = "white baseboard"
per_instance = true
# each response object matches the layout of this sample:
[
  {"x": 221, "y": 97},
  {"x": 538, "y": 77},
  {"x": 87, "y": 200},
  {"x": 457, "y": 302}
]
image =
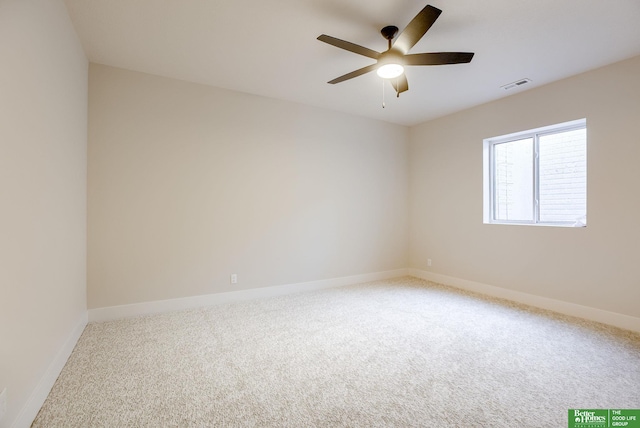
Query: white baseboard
[
  {"x": 30, "y": 410},
  {"x": 611, "y": 318},
  {"x": 160, "y": 306}
]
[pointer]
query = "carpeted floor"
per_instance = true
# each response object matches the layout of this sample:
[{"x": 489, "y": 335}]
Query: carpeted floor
[{"x": 398, "y": 353}]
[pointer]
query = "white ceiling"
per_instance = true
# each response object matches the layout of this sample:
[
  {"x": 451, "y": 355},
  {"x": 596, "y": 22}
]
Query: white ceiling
[{"x": 269, "y": 47}]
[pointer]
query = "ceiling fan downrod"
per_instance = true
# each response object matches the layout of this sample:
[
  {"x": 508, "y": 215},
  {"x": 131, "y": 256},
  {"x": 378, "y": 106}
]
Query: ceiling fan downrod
[{"x": 389, "y": 32}]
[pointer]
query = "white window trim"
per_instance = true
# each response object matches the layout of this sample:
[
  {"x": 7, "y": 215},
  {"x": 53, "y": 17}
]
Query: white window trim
[{"x": 488, "y": 166}]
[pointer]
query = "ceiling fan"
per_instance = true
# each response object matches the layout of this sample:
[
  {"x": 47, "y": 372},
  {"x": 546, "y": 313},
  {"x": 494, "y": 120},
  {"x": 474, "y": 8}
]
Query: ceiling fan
[{"x": 390, "y": 63}]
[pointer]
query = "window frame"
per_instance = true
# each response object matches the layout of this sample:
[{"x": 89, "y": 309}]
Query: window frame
[{"x": 489, "y": 171}]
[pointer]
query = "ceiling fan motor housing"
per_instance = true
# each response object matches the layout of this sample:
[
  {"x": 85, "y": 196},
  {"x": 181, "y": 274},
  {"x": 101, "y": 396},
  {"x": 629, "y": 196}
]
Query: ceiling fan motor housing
[{"x": 391, "y": 56}]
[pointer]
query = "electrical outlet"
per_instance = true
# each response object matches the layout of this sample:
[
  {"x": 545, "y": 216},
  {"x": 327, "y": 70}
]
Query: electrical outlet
[
  {"x": 428, "y": 262},
  {"x": 3, "y": 403},
  {"x": 234, "y": 278}
]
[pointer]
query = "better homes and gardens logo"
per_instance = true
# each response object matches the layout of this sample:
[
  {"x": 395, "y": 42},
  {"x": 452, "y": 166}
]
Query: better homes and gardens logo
[{"x": 604, "y": 418}]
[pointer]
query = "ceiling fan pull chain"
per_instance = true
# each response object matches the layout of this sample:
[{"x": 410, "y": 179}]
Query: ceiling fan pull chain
[{"x": 383, "y": 94}]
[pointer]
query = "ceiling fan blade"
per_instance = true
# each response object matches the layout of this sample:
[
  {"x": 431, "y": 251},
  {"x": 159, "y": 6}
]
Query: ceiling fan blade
[
  {"x": 400, "y": 84},
  {"x": 438, "y": 58},
  {"x": 353, "y": 74},
  {"x": 417, "y": 28},
  {"x": 348, "y": 46}
]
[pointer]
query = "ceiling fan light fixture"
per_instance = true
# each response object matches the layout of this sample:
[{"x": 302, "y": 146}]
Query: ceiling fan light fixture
[{"x": 390, "y": 71}]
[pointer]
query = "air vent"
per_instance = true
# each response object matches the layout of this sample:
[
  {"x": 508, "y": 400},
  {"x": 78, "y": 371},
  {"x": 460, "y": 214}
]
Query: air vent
[{"x": 515, "y": 84}]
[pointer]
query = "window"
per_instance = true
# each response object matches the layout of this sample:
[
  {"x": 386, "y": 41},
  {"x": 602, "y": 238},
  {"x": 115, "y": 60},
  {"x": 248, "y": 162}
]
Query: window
[{"x": 537, "y": 176}]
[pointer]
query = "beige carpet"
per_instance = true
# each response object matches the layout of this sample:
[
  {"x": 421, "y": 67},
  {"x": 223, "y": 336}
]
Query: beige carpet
[{"x": 398, "y": 353}]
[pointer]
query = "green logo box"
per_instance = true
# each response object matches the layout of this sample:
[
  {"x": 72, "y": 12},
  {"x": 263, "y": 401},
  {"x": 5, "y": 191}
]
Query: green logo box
[{"x": 604, "y": 418}]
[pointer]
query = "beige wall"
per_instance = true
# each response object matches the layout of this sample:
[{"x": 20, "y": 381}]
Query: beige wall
[
  {"x": 43, "y": 135},
  {"x": 596, "y": 266},
  {"x": 189, "y": 184}
]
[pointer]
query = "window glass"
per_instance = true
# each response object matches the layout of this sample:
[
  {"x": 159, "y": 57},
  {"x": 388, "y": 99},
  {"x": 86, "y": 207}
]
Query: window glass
[
  {"x": 513, "y": 189},
  {"x": 563, "y": 176}
]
